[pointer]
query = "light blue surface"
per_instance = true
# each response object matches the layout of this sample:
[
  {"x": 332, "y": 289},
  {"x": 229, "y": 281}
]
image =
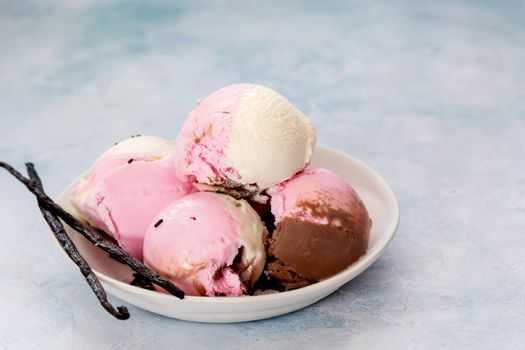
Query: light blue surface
[{"x": 430, "y": 94}]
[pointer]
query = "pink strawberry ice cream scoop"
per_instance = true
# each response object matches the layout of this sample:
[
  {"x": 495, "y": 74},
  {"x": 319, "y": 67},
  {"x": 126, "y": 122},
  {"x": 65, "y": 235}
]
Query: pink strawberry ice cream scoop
[
  {"x": 245, "y": 137},
  {"x": 127, "y": 186},
  {"x": 207, "y": 244},
  {"x": 321, "y": 227}
]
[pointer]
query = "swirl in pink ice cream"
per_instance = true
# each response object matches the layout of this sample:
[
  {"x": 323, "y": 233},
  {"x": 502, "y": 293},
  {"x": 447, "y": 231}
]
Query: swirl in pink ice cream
[
  {"x": 207, "y": 244},
  {"x": 204, "y": 138},
  {"x": 127, "y": 186},
  {"x": 313, "y": 185}
]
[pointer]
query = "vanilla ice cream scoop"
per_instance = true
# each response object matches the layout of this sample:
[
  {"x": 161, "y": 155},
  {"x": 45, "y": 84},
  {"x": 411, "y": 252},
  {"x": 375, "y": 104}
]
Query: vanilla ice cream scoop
[
  {"x": 207, "y": 244},
  {"x": 127, "y": 186},
  {"x": 244, "y": 136}
]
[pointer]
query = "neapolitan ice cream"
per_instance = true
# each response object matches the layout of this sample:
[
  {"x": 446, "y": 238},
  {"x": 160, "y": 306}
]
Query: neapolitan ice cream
[
  {"x": 127, "y": 186},
  {"x": 231, "y": 200},
  {"x": 207, "y": 244},
  {"x": 321, "y": 228},
  {"x": 244, "y": 137}
]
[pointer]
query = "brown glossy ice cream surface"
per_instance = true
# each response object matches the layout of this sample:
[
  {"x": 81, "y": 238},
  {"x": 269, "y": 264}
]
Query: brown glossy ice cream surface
[{"x": 303, "y": 252}]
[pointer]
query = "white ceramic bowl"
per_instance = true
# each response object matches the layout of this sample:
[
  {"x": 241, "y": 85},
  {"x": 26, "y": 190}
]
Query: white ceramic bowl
[{"x": 378, "y": 198}]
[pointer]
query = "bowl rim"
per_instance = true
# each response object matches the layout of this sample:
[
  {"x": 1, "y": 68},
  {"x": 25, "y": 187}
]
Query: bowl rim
[{"x": 339, "y": 278}]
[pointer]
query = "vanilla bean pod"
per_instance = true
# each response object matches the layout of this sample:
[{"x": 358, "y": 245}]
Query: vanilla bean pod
[
  {"x": 113, "y": 250},
  {"x": 121, "y": 312}
]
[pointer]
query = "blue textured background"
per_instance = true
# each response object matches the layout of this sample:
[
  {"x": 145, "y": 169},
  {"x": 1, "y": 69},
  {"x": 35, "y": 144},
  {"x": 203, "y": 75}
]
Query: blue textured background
[{"x": 430, "y": 94}]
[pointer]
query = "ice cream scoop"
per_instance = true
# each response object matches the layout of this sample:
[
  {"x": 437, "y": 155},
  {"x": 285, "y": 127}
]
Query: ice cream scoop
[
  {"x": 127, "y": 186},
  {"x": 321, "y": 227},
  {"x": 207, "y": 244},
  {"x": 244, "y": 137}
]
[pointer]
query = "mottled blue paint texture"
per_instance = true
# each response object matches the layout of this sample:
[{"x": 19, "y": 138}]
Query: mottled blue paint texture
[{"x": 431, "y": 94}]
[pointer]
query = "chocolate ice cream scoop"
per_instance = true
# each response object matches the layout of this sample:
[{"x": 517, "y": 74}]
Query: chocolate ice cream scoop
[{"x": 321, "y": 228}]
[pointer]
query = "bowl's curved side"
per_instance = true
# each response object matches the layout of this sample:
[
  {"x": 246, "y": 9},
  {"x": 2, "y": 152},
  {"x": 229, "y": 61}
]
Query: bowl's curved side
[
  {"x": 375, "y": 192},
  {"x": 193, "y": 310}
]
